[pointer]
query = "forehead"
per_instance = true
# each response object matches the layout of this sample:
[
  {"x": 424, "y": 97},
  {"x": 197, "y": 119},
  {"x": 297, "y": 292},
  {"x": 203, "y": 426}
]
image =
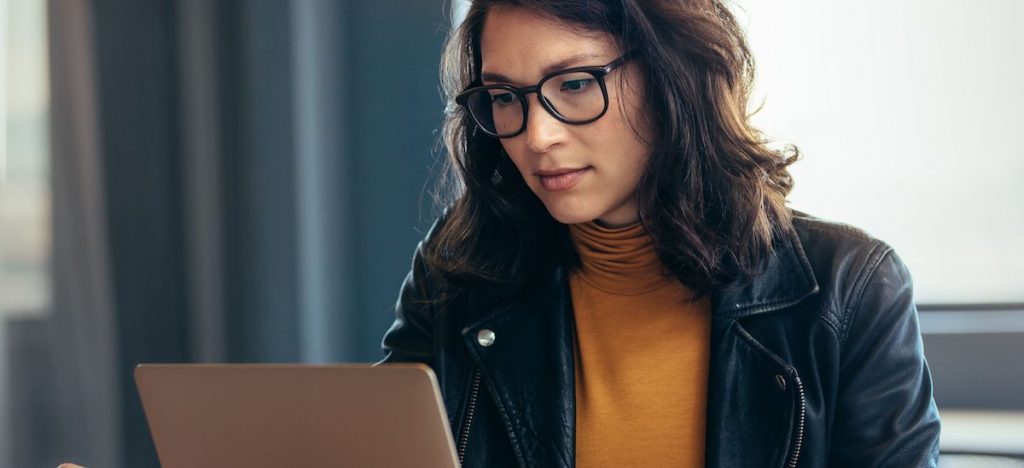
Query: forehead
[{"x": 522, "y": 45}]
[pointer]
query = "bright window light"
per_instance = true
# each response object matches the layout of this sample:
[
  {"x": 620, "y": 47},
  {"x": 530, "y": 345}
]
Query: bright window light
[
  {"x": 25, "y": 193},
  {"x": 908, "y": 115}
]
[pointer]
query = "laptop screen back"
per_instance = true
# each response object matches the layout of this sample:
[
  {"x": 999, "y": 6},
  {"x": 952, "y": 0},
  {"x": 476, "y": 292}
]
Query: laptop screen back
[{"x": 258, "y": 416}]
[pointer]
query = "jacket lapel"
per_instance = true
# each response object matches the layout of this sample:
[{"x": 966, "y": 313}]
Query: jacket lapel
[
  {"x": 529, "y": 372},
  {"x": 752, "y": 402},
  {"x": 750, "y": 412}
]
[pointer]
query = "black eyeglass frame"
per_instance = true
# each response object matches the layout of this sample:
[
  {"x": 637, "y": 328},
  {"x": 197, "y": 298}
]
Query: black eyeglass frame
[{"x": 598, "y": 72}]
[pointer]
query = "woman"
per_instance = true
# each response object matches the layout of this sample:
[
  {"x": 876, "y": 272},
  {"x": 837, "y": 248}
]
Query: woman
[{"x": 618, "y": 280}]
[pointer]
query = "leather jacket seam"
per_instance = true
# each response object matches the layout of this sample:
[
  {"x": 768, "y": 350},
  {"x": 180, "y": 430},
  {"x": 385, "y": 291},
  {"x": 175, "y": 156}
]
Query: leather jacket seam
[
  {"x": 501, "y": 407},
  {"x": 876, "y": 256},
  {"x": 767, "y": 306},
  {"x": 755, "y": 345},
  {"x": 838, "y": 228},
  {"x": 826, "y": 316}
]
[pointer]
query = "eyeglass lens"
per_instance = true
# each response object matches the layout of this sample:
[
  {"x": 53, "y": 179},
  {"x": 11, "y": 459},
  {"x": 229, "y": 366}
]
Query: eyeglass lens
[{"x": 576, "y": 96}]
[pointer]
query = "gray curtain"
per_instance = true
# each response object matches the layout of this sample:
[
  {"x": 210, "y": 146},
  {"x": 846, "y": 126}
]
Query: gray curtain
[
  {"x": 201, "y": 137},
  {"x": 233, "y": 181},
  {"x": 83, "y": 326}
]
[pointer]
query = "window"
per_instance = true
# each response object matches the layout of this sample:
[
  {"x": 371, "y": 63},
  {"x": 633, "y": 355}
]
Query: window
[
  {"x": 24, "y": 141},
  {"x": 908, "y": 116}
]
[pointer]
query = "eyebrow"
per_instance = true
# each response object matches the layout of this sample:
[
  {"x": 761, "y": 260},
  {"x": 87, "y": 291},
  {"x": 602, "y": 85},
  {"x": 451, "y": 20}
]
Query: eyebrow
[{"x": 564, "y": 63}]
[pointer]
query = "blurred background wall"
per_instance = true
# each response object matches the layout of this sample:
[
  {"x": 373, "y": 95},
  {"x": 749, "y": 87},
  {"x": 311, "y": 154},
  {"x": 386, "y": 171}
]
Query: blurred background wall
[
  {"x": 238, "y": 181},
  {"x": 245, "y": 181}
]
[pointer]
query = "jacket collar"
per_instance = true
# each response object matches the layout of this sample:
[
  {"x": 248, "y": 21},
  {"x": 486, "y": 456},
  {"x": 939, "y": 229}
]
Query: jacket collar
[{"x": 786, "y": 279}]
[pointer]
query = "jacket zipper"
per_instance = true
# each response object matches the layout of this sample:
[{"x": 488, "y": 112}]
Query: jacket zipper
[
  {"x": 800, "y": 427},
  {"x": 467, "y": 422}
]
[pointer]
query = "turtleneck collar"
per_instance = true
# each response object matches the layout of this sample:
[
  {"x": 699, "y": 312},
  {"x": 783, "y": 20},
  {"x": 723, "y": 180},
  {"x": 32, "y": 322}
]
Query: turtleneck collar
[{"x": 619, "y": 261}]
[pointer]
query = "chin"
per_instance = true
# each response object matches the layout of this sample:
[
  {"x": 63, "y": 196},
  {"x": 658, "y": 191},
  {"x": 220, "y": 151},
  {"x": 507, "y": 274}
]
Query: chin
[{"x": 569, "y": 215}]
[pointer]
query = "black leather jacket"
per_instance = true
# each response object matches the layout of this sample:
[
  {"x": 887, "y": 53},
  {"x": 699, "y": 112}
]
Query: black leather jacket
[{"x": 816, "y": 362}]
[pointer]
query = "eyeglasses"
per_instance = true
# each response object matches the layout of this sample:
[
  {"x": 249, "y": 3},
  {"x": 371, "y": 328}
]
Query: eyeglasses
[{"x": 575, "y": 96}]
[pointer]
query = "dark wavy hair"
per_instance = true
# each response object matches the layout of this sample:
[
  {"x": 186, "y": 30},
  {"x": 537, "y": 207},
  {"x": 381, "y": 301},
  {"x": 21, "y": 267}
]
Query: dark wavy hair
[{"x": 712, "y": 197}]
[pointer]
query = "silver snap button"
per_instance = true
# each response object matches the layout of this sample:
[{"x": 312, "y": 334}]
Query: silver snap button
[
  {"x": 485, "y": 337},
  {"x": 781, "y": 381}
]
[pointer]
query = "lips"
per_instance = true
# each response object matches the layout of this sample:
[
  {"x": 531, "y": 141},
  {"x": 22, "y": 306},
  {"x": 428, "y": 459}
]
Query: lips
[{"x": 558, "y": 180}]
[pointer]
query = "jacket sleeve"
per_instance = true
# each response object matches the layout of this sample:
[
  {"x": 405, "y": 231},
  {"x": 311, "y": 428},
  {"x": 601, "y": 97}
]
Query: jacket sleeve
[
  {"x": 885, "y": 413},
  {"x": 411, "y": 336}
]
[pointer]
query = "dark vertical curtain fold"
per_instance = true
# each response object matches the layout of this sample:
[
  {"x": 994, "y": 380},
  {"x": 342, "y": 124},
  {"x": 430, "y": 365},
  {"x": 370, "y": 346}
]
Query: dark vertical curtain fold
[{"x": 84, "y": 343}]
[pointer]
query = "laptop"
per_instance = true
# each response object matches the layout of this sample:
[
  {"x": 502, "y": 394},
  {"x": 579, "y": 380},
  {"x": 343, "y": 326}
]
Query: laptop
[{"x": 266, "y": 415}]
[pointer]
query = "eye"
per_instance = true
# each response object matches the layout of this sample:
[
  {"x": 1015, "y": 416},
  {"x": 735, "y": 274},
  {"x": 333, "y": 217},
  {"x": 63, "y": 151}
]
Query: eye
[
  {"x": 576, "y": 86},
  {"x": 502, "y": 99}
]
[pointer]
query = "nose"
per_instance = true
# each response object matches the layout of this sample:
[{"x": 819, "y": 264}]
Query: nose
[{"x": 543, "y": 130}]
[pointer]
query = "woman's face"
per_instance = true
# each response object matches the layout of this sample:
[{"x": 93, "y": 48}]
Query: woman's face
[{"x": 580, "y": 172}]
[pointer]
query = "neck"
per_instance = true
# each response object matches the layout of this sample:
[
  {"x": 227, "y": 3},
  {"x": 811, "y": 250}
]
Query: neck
[{"x": 619, "y": 260}]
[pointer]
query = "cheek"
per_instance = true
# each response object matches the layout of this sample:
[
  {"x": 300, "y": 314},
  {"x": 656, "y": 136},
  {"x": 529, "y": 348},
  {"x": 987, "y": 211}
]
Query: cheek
[
  {"x": 519, "y": 159},
  {"x": 633, "y": 134},
  {"x": 513, "y": 153},
  {"x": 630, "y": 109},
  {"x": 618, "y": 145}
]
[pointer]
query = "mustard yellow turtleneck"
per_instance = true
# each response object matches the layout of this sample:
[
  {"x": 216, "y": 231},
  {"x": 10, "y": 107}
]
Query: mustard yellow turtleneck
[{"x": 642, "y": 355}]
